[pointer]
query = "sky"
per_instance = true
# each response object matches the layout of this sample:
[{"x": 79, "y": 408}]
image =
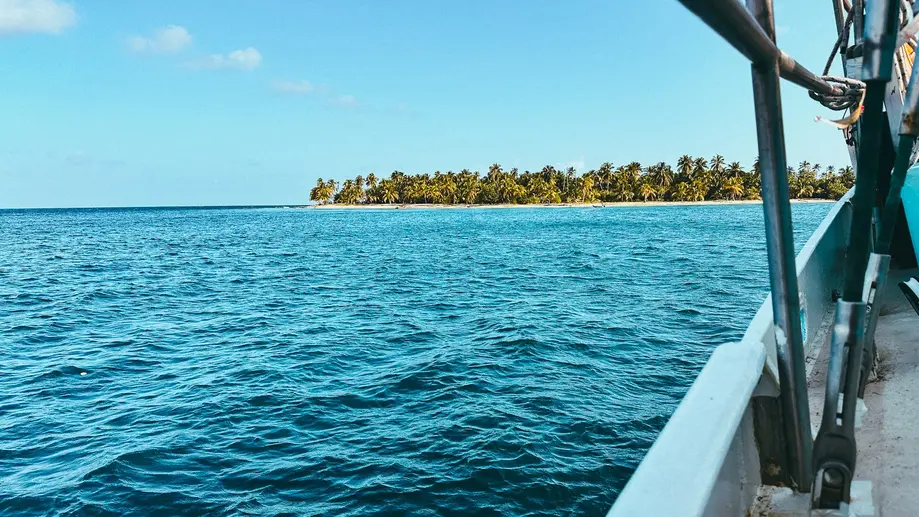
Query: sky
[{"x": 248, "y": 102}]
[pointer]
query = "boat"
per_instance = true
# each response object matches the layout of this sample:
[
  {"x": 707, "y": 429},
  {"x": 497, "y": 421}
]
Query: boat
[{"x": 813, "y": 411}]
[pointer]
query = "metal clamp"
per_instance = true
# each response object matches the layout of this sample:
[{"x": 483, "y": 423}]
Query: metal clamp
[
  {"x": 878, "y": 266},
  {"x": 834, "y": 448}
]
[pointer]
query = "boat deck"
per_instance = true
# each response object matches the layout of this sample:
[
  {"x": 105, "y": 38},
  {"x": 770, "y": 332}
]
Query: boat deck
[{"x": 888, "y": 434}]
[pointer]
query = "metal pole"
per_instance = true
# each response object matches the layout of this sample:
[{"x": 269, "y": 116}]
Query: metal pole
[
  {"x": 877, "y": 69},
  {"x": 835, "y": 449},
  {"x": 879, "y": 261},
  {"x": 736, "y": 25},
  {"x": 858, "y": 21},
  {"x": 839, "y": 15},
  {"x": 783, "y": 278}
]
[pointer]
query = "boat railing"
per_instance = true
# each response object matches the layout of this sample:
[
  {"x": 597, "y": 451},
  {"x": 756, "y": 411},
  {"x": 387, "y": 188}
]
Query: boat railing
[
  {"x": 707, "y": 460},
  {"x": 819, "y": 267},
  {"x": 846, "y": 250},
  {"x": 704, "y": 459}
]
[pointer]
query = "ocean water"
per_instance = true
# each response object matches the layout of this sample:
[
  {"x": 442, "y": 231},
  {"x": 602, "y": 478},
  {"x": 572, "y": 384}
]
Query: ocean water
[{"x": 326, "y": 362}]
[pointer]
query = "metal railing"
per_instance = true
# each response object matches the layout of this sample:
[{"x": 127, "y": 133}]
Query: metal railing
[
  {"x": 708, "y": 459},
  {"x": 716, "y": 412},
  {"x": 828, "y": 461},
  {"x": 738, "y": 26},
  {"x": 826, "y": 464}
]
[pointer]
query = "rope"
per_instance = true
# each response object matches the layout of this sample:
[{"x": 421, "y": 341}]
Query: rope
[
  {"x": 853, "y": 90},
  {"x": 853, "y": 117}
]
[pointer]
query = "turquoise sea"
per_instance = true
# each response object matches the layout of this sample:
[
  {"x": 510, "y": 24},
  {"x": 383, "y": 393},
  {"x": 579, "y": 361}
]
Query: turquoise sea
[{"x": 356, "y": 362}]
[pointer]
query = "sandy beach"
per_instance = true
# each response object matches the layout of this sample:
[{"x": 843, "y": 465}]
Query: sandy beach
[{"x": 431, "y": 206}]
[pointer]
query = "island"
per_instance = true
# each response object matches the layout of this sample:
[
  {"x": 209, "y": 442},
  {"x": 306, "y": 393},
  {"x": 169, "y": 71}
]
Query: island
[{"x": 693, "y": 180}]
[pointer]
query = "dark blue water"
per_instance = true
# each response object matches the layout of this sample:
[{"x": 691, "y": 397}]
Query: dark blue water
[{"x": 309, "y": 362}]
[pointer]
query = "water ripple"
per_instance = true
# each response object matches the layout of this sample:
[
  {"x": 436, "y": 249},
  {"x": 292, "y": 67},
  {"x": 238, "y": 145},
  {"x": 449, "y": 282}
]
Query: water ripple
[{"x": 286, "y": 362}]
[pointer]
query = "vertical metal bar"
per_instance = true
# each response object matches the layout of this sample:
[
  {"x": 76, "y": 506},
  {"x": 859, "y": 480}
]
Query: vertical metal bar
[
  {"x": 871, "y": 124},
  {"x": 835, "y": 450},
  {"x": 879, "y": 262},
  {"x": 858, "y": 20},
  {"x": 783, "y": 278},
  {"x": 839, "y": 15},
  {"x": 877, "y": 70}
]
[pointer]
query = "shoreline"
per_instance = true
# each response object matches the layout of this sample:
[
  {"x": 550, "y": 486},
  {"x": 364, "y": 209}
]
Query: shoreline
[{"x": 618, "y": 204}]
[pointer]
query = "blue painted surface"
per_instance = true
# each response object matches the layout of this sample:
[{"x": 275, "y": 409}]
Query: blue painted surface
[
  {"x": 910, "y": 196},
  {"x": 263, "y": 361}
]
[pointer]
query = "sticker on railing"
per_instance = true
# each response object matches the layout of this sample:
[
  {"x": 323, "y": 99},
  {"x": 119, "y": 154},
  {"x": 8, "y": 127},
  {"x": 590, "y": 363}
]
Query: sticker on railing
[{"x": 803, "y": 301}]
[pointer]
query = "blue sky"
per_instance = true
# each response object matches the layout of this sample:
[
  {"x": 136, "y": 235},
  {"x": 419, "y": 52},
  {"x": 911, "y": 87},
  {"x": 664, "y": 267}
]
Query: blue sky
[{"x": 178, "y": 102}]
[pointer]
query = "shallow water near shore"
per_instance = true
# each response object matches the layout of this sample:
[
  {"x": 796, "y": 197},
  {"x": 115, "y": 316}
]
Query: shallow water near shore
[{"x": 346, "y": 362}]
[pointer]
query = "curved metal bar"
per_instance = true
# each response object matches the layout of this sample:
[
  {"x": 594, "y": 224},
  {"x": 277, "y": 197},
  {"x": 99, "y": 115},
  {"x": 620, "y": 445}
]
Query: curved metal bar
[{"x": 736, "y": 25}]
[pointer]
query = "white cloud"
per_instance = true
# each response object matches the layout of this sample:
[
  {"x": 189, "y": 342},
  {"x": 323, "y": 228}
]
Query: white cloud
[
  {"x": 345, "y": 100},
  {"x": 23, "y": 16},
  {"x": 301, "y": 87},
  {"x": 165, "y": 40},
  {"x": 246, "y": 59}
]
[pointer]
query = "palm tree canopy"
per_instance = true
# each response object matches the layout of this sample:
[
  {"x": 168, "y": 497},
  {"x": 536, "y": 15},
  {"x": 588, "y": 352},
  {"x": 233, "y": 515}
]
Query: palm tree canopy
[{"x": 696, "y": 179}]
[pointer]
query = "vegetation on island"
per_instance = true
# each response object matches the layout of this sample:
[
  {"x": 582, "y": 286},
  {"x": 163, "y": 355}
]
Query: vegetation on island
[{"x": 693, "y": 179}]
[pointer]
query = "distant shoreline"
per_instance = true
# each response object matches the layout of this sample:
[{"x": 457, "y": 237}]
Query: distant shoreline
[{"x": 434, "y": 206}]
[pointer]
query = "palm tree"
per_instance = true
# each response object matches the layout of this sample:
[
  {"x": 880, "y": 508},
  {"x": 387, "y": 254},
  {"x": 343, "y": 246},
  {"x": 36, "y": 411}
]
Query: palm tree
[
  {"x": 586, "y": 190},
  {"x": 319, "y": 192},
  {"x": 684, "y": 167},
  {"x": 647, "y": 190},
  {"x": 733, "y": 187},
  {"x": 735, "y": 170},
  {"x": 717, "y": 166},
  {"x": 699, "y": 168},
  {"x": 605, "y": 176},
  {"x": 662, "y": 174},
  {"x": 697, "y": 190},
  {"x": 390, "y": 195},
  {"x": 697, "y": 180},
  {"x": 682, "y": 192},
  {"x": 494, "y": 170}
]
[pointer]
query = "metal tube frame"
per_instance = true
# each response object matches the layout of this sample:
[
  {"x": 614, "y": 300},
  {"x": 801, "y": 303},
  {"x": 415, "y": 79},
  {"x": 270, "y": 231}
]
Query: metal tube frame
[
  {"x": 753, "y": 35},
  {"x": 858, "y": 21},
  {"x": 739, "y": 28},
  {"x": 780, "y": 248},
  {"x": 835, "y": 449},
  {"x": 879, "y": 262},
  {"x": 840, "y": 17}
]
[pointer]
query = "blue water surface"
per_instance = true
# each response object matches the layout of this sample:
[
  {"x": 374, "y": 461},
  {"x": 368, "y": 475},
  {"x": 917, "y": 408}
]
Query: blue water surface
[{"x": 356, "y": 362}]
